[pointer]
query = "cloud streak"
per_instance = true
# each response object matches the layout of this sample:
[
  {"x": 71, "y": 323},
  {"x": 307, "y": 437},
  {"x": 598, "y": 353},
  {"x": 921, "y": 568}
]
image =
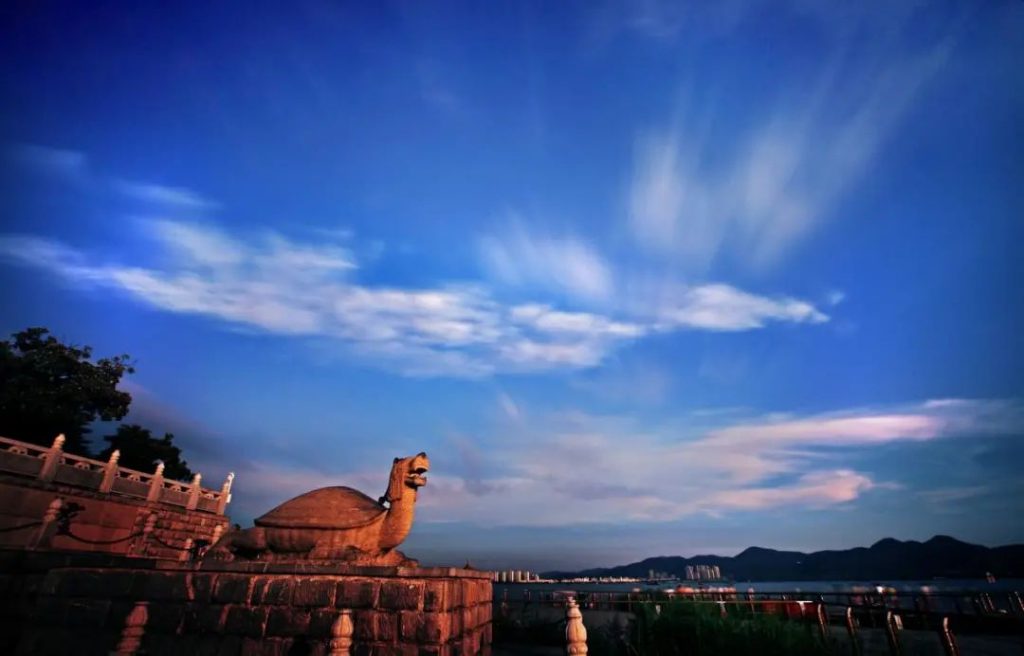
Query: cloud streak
[
  {"x": 759, "y": 195},
  {"x": 275, "y": 284}
]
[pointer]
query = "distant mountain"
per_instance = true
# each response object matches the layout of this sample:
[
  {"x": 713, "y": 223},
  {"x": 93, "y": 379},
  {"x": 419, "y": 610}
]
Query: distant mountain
[{"x": 888, "y": 559}]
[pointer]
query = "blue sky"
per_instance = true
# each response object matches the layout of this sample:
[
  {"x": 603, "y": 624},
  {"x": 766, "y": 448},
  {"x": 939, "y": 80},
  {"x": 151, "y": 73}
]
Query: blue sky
[{"x": 642, "y": 278}]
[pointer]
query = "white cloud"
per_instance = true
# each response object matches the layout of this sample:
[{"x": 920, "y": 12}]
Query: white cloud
[
  {"x": 758, "y": 196},
  {"x": 171, "y": 197},
  {"x": 269, "y": 282},
  {"x": 564, "y": 264},
  {"x": 725, "y": 308},
  {"x": 608, "y": 469}
]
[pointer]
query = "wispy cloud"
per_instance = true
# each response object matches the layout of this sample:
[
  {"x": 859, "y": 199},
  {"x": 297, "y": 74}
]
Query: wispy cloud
[
  {"x": 565, "y": 264},
  {"x": 269, "y": 282},
  {"x": 606, "y": 468},
  {"x": 788, "y": 174},
  {"x": 156, "y": 194}
]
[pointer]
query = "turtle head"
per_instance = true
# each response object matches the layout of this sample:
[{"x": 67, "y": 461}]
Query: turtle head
[{"x": 407, "y": 473}]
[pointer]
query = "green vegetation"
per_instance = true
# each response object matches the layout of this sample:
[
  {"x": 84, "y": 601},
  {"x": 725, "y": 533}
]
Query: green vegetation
[
  {"x": 699, "y": 629},
  {"x": 670, "y": 628},
  {"x": 48, "y": 388}
]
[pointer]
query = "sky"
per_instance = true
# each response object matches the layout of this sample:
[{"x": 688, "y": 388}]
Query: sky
[{"x": 642, "y": 278}]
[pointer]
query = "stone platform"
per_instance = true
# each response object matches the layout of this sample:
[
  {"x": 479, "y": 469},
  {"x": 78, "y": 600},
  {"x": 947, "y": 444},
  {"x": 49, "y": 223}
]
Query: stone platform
[{"x": 261, "y": 608}]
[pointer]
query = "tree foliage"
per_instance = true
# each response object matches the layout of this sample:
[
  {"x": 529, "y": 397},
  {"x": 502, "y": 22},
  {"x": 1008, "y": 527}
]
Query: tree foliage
[
  {"x": 48, "y": 388},
  {"x": 141, "y": 451}
]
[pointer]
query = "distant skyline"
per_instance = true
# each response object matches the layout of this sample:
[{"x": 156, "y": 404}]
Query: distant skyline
[{"x": 642, "y": 278}]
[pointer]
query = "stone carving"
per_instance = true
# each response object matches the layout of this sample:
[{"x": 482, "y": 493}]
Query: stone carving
[{"x": 335, "y": 524}]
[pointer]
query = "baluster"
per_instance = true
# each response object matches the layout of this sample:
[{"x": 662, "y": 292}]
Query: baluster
[
  {"x": 47, "y": 528},
  {"x": 575, "y": 632},
  {"x": 892, "y": 633},
  {"x": 193, "y": 493},
  {"x": 156, "y": 486},
  {"x": 341, "y": 634},
  {"x": 134, "y": 629},
  {"x": 110, "y": 472},
  {"x": 186, "y": 550},
  {"x": 52, "y": 459},
  {"x": 851, "y": 628},
  {"x": 225, "y": 494},
  {"x": 823, "y": 621},
  {"x": 949, "y": 644}
]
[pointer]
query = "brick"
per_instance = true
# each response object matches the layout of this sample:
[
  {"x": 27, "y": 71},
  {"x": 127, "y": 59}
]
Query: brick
[
  {"x": 456, "y": 596},
  {"x": 164, "y": 617},
  {"x": 376, "y": 626},
  {"x": 314, "y": 592},
  {"x": 357, "y": 594},
  {"x": 287, "y": 622},
  {"x": 436, "y": 628},
  {"x": 320, "y": 622},
  {"x": 231, "y": 589},
  {"x": 435, "y": 596},
  {"x": 245, "y": 621},
  {"x": 158, "y": 586},
  {"x": 276, "y": 591},
  {"x": 410, "y": 624},
  {"x": 398, "y": 595},
  {"x": 203, "y": 618},
  {"x": 200, "y": 585}
]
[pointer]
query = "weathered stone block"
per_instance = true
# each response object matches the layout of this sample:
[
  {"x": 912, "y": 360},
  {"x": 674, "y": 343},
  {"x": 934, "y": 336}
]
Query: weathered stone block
[
  {"x": 314, "y": 592},
  {"x": 410, "y": 624},
  {"x": 375, "y": 626},
  {"x": 287, "y": 622},
  {"x": 199, "y": 586},
  {"x": 246, "y": 621},
  {"x": 231, "y": 589},
  {"x": 202, "y": 618},
  {"x": 320, "y": 622},
  {"x": 401, "y": 595},
  {"x": 436, "y": 596},
  {"x": 436, "y": 628},
  {"x": 164, "y": 617},
  {"x": 160, "y": 586},
  {"x": 355, "y": 594},
  {"x": 273, "y": 591}
]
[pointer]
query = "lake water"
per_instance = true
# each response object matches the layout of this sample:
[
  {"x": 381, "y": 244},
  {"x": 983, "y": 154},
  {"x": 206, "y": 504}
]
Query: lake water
[{"x": 515, "y": 590}]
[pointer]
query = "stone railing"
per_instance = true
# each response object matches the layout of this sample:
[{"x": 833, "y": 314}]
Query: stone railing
[{"x": 54, "y": 465}]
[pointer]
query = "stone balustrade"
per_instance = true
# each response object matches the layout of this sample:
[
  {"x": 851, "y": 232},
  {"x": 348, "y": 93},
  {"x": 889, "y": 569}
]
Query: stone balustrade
[{"x": 54, "y": 465}]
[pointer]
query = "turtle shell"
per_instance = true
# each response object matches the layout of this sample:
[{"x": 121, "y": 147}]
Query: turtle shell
[{"x": 327, "y": 508}]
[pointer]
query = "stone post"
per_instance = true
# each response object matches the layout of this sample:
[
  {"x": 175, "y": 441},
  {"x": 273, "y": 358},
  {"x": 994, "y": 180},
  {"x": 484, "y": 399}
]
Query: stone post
[
  {"x": 110, "y": 472},
  {"x": 53, "y": 458},
  {"x": 134, "y": 629},
  {"x": 186, "y": 549},
  {"x": 823, "y": 621},
  {"x": 225, "y": 494},
  {"x": 892, "y": 633},
  {"x": 575, "y": 632},
  {"x": 341, "y": 634},
  {"x": 49, "y": 525},
  {"x": 851, "y": 628},
  {"x": 193, "y": 493},
  {"x": 156, "y": 486},
  {"x": 949, "y": 644}
]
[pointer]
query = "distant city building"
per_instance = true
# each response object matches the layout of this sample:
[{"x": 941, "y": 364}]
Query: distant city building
[{"x": 703, "y": 572}]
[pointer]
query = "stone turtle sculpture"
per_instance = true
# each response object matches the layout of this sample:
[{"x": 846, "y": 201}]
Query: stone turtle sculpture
[{"x": 335, "y": 524}]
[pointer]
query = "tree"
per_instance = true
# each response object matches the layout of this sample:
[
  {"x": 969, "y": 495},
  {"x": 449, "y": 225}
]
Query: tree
[
  {"x": 47, "y": 388},
  {"x": 141, "y": 451}
]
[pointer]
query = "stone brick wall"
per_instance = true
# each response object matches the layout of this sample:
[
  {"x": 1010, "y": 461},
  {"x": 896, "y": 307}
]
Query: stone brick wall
[
  {"x": 103, "y": 523},
  {"x": 268, "y": 609}
]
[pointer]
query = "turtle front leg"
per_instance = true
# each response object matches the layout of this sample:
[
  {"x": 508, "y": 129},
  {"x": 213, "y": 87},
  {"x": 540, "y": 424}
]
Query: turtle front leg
[{"x": 245, "y": 543}]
